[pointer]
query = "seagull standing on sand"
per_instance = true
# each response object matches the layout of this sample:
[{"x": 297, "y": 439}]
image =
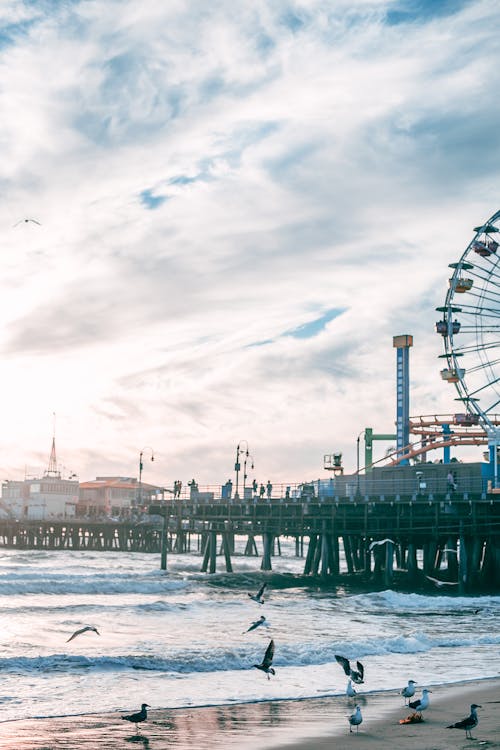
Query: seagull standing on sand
[
  {"x": 469, "y": 723},
  {"x": 267, "y": 661},
  {"x": 260, "y": 621},
  {"x": 83, "y": 630},
  {"x": 259, "y": 596},
  {"x": 421, "y": 703},
  {"x": 141, "y": 715},
  {"x": 355, "y": 675},
  {"x": 355, "y": 719},
  {"x": 408, "y": 691},
  {"x": 350, "y": 692}
]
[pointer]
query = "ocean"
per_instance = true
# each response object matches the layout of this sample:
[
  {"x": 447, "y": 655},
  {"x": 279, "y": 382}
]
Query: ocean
[{"x": 176, "y": 638}]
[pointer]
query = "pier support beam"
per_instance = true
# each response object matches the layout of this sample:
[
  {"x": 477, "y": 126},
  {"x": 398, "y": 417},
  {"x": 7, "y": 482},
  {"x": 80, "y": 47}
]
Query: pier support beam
[{"x": 267, "y": 541}]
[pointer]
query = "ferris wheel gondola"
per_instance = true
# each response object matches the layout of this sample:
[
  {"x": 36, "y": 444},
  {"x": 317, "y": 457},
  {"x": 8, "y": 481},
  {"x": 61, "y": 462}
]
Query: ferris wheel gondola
[{"x": 470, "y": 327}]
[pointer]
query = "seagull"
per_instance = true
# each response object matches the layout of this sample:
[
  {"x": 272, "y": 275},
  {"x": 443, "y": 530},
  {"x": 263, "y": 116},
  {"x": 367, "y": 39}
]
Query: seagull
[
  {"x": 258, "y": 597},
  {"x": 83, "y": 630},
  {"x": 355, "y": 719},
  {"x": 25, "y": 221},
  {"x": 267, "y": 661},
  {"x": 260, "y": 621},
  {"x": 382, "y": 541},
  {"x": 421, "y": 703},
  {"x": 356, "y": 676},
  {"x": 141, "y": 715},
  {"x": 469, "y": 723},
  {"x": 409, "y": 690},
  {"x": 441, "y": 583},
  {"x": 350, "y": 692}
]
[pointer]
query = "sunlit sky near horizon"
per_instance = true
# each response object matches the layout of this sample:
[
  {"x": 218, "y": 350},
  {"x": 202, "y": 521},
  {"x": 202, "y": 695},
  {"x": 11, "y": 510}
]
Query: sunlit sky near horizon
[{"x": 240, "y": 203}]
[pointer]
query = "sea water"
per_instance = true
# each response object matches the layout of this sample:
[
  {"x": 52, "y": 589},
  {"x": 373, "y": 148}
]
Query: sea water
[{"x": 177, "y": 638}]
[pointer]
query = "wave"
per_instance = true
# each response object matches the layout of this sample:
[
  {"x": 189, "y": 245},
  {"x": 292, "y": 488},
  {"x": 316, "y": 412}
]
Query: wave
[
  {"x": 198, "y": 659},
  {"x": 104, "y": 583},
  {"x": 403, "y": 603}
]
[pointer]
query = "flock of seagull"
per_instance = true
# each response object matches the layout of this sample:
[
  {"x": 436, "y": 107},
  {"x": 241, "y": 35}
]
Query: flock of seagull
[{"x": 355, "y": 675}]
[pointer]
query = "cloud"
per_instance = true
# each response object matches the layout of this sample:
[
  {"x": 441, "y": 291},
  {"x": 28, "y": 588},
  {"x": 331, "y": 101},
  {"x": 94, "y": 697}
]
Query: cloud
[{"x": 299, "y": 174}]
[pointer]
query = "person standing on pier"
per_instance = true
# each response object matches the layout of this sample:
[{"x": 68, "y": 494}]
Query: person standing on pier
[
  {"x": 262, "y": 491},
  {"x": 269, "y": 487},
  {"x": 450, "y": 481}
]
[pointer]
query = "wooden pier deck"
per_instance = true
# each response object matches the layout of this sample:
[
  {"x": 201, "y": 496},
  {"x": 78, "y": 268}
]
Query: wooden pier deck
[{"x": 455, "y": 540}]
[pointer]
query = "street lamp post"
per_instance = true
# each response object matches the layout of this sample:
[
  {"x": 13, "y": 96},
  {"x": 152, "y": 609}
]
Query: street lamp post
[
  {"x": 357, "y": 458},
  {"x": 245, "y": 475},
  {"x": 141, "y": 466},
  {"x": 237, "y": 465}
]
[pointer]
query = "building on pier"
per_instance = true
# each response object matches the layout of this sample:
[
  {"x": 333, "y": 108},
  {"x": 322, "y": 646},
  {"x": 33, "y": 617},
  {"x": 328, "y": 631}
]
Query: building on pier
[{"x": 114, "y": 496}]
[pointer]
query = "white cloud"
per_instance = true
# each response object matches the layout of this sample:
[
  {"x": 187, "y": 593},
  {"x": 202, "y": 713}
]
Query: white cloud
[{"x": 307, "y": 158}]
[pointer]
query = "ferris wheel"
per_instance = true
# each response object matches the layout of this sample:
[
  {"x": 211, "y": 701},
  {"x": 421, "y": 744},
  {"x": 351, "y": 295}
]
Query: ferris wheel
[{"x": 470, "y": 327}]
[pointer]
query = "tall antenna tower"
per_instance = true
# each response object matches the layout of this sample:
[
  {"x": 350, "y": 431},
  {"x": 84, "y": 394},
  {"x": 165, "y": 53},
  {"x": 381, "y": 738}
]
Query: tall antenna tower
[{"x": 52, "y": 471}]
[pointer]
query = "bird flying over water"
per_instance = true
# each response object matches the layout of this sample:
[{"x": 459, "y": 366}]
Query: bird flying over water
[
  {"x": 259, "y": 596},
  {"x": 441, "y": 583},
  {"x": 355, "y": 719},
  {"x": 408, "y": 691},
  {"x": 136, "y": 718},
  {"x": 469, "y": 723},
  {"x": 355, "y": 675},
  {"x": 83, "y": 630},
  {"x": 260, "y": 621},
  {"x": 421, "y": 703},
  {"x": 267, "y": 661},
  {"x": 25, "y": 221}
]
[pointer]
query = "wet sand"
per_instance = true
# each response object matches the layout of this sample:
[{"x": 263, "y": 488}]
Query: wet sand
[{"x": 312, "y": 724}]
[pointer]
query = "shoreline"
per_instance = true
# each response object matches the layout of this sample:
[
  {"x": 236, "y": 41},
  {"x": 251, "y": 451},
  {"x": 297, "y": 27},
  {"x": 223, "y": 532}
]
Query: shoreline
[{"x": 297, "y": 724}]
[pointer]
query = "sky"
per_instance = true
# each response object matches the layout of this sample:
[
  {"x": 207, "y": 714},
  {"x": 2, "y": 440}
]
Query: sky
[{"x": 239, "y": 205}]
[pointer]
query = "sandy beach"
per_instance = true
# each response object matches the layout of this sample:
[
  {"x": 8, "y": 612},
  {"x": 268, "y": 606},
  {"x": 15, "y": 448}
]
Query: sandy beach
[{"x": 312, "y": 724}]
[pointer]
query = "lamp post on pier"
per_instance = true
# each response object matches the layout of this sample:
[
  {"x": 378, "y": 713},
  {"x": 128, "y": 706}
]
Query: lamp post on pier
[
  {"x": 245, "y": 475},
  {"x": 237, "y": 465},
  {"x": 141, "y": 466},
  {"x": 357, "y": 458}
]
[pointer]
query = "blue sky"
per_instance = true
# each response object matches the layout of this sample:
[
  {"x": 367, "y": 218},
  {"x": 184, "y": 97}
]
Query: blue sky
[{"x": 297, "y": 174}]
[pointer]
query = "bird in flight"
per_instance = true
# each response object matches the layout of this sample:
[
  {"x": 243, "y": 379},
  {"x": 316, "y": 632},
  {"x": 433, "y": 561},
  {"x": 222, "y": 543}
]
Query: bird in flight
[
  {"x": 25, "y": 221},
  {"x": 355, "y": 675},
  {"x": 141, "y": 715},
  {"x": 469, "y": 723},
  {"x": 259, "y": 596},
  {"x": 83, "y": 630},
  {"x": 439, "y": 583},
  {"x": 267, "y": 661},
  {"x": 260, "y": 621},
  {"x": 350, "y": 691}
]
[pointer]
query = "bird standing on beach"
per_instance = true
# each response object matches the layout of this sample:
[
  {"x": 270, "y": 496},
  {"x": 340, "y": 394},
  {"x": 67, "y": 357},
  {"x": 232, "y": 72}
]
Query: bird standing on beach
[
  {"x": 141, "y": 715},
  {"x": 355, "y": 719},
  {"x": 421, "y": 703},
  {"x": 260, "y": 621},
  {"x": 350, "y": 691},
  {"x": 408, "y": 691},
  {"x": 267, "y": 661},
  {"x": 469, "y": 723},
  {"x": 82, "y": 630},
  {"x": 355, "y": 675},
  {"x": 259, "y": 596}
]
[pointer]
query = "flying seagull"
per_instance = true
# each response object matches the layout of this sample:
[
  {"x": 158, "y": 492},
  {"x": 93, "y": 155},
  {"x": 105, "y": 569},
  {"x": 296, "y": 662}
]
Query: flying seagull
[
  {"x": 355, "y": 675},
  {"x": 469, "y": 723},
  {"x": 141, "y": 715},
  {"x": 408, "y": 691},
  {"x": 355, "y": 719},
  {"x": 381, "y": 541},
  {"x": 25, "y": 221},
  {"x": 260, "y": 621},
  {"x": 350, "y": 691},
  {"x": 83, "y": 630},
  {"x": 259, "y": 596},
  {"x": 267, "y": 661},
  {"x": 441, "y": 583},
  {"x": 421, "y": 703}
]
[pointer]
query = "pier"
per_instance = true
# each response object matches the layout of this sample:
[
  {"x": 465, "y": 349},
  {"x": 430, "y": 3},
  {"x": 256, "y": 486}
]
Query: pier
[{"x": 443, "y": 540}]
